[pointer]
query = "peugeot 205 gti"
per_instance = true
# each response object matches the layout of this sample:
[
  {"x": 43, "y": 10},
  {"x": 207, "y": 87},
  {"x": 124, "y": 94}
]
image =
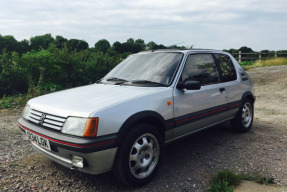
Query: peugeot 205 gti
[{"x": 121, "y": 122}]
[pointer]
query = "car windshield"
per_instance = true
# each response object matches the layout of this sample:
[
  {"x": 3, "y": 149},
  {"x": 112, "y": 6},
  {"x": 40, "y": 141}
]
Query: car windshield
[{"x": 146, "y": 68}]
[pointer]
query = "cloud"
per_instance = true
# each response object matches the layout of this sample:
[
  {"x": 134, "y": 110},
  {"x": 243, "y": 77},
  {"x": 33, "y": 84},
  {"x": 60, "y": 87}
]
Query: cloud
[{"x": 161, "y": 21}]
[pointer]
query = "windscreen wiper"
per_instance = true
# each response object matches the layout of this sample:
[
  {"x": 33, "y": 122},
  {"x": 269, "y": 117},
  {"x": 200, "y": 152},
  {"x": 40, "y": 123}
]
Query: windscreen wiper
[
  {"x": 116, "y": 79},
  {"x": 99, "y": 81},
  {"x": 148, "y": 82}
]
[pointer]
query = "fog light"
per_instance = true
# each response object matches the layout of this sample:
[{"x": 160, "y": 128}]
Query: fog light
[{"x": 78, "y": 161}]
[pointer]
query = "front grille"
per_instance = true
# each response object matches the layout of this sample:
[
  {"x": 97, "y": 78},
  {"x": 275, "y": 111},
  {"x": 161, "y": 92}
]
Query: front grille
[{"x": 46, "y": 120}]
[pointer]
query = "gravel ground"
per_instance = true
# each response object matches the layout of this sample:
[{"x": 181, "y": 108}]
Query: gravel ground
[{"x": 188, "y": 164}]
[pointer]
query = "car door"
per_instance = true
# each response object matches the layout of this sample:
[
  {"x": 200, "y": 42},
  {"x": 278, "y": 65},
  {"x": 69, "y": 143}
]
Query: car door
[
  {"x": 198, "y": 109},
  {"x": 232, "y": 86}
]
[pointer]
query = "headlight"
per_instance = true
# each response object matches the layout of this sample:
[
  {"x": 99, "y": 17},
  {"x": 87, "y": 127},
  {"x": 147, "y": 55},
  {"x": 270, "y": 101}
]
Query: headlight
[
  {"x": 86, "y": 127},
  {"x": 26, "y": 112}
]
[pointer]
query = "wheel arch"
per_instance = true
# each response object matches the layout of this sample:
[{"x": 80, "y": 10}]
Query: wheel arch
[
  {"x": 148, "y": 117},
  {"x": 248, "y": 95}
]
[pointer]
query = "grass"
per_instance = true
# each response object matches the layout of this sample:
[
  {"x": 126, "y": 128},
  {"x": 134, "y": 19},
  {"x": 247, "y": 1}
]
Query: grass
[
  {"x": 264, "y": 63},
  {"x": 13, "y": 165},
  {"x": 226, "y": 180},
  {"x": 17, "y": 132},
  {"x": 258, "y": 178}
]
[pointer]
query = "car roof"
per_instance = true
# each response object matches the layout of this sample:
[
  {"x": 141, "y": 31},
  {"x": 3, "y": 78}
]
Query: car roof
[{"x": 195, "y": 50}]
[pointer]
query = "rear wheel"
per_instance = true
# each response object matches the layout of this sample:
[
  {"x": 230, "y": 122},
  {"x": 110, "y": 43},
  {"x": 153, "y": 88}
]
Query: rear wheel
[
  {"x": 138, "y": 158},
  {"x": 244, "y": 118}
]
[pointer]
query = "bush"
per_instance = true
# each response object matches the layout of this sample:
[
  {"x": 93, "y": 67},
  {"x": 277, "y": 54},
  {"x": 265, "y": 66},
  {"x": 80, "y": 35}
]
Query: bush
[
  {"x": 246, "y": 63},
  {"x": 50, "y": 88},
  {"x": 13, "y": 101}
]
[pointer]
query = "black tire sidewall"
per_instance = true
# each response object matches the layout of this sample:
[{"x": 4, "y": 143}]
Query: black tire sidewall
[
  {"x": 237, "y": 121},
  {"x": 125, "y": 149}
]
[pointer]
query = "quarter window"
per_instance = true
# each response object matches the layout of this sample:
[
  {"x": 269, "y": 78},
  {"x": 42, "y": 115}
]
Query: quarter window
[
  {"x": 202, "y": 68},
  {"x": 227, "y": 67}
]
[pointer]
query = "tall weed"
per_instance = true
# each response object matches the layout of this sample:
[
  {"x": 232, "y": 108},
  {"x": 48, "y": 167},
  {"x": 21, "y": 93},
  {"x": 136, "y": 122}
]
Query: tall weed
[{"x": 264, "y": 63}]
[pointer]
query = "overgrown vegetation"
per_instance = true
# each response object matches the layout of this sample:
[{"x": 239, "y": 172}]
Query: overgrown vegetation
[
  {"x": 45, "y": 64},
  {"x": 226, "y": 180},
  {"x": 258, "y": 178},
  {"x": 246, "y": 64},
  {"x": 264, "y": 63}
]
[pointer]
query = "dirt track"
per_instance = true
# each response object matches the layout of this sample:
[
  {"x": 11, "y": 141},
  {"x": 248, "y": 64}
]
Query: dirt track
[{"x": 188, "y": 164}]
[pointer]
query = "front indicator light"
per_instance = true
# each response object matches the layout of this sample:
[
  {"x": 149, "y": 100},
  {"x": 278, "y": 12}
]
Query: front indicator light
[{"x": 91, "y": 127}]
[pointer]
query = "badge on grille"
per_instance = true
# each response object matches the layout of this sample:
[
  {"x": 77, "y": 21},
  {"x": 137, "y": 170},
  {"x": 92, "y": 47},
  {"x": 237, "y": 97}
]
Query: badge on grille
[{"x": 43, "y": 117}]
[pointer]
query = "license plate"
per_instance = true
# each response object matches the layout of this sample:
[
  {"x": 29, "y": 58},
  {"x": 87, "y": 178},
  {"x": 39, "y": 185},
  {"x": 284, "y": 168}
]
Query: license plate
[{"x": 38, "y": 140}]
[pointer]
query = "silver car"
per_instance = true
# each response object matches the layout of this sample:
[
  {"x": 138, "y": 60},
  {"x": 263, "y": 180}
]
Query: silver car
[{"x": 121, "y": 122}]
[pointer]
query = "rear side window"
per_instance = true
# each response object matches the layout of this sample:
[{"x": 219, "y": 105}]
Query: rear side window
[
  {"x": 227, "y": 67},
  {"x": 202, "y": 68}
]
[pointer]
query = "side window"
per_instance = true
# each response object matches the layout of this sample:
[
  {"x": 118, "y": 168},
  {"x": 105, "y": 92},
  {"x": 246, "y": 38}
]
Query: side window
[
  {"x": 202, "y": 68},
  {"x": 227, "y": 67}
]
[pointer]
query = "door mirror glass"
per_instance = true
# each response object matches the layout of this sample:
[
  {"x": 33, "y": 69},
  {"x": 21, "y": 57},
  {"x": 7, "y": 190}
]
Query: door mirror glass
[{"x": 188, "y": 85}]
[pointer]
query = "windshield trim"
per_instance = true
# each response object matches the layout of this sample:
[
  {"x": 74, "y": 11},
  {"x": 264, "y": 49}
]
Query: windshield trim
[
  {"x": 150, "y": 52},
  {"x": 177, "y": 68}
]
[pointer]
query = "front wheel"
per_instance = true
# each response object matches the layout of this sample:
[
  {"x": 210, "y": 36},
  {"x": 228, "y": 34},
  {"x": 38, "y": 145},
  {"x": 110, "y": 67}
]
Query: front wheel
[
  {"x": 244, "y": 118},
  {"x": 139, "y": 155}
]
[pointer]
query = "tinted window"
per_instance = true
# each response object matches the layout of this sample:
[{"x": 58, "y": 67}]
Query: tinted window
[
  {"x": 202, "y": 68},
  {"x": 227, "y": 67}
]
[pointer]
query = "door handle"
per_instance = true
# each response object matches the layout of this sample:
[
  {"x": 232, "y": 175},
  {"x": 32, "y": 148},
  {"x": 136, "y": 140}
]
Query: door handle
[{"x": 221, "y": 90}]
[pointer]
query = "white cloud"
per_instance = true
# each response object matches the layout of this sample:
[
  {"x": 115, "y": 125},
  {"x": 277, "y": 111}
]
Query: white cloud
[{"x": 162, "y": 21}]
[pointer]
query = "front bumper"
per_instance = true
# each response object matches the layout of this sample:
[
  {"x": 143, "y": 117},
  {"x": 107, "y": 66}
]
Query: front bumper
[{"x": 98, "y": 153}]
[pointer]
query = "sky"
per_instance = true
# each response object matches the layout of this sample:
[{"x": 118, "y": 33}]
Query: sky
[{"x": 214, "y": 24}]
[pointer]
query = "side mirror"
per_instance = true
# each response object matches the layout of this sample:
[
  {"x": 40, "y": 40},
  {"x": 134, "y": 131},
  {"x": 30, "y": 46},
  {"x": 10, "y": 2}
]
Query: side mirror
[{"x": 188, "y": 85}]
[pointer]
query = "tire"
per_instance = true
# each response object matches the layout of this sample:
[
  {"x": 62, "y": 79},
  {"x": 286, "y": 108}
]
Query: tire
[
  {"x": 244, "y": 118},
  {"x": 139, "y": 156}
]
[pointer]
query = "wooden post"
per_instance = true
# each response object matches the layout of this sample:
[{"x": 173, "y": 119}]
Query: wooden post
[
  {"x": 275, "y": 54},
  {"x": 259, "y": 56},
  {"x": 239, "y": 57}
]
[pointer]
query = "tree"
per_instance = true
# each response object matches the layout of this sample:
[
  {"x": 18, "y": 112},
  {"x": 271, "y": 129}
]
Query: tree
[
  {"x": 118, "y": 47},
  {"x": 231, "y": 51},
  {"x": 41, "y": 66},
  {"x": 265, "y": 51},
  {"x": 153, "y": 46},
  {"x": 245, "y": 49},
  {"x": 9, "y": 43},
  {"x": 13, "y": 78},
  {"x": 102, "y": 45},
  {"x": 60, "y": 41},
  {"x": 82, "y": 45},
  {"x": 23, "y": 46},
  {"x": 139, "y": 45},
  {"x": 97, "y": 66},
  {"x": 130, "y": 46},
  {"x": 41, "y": 41},
  {"x": 78, "y": 45}
]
